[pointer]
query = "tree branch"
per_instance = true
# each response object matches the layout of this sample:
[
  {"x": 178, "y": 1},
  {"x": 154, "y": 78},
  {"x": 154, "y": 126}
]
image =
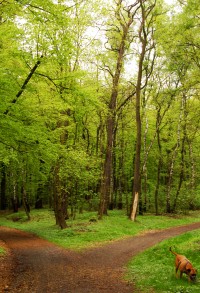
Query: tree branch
[{"x": 25, "y": 83}]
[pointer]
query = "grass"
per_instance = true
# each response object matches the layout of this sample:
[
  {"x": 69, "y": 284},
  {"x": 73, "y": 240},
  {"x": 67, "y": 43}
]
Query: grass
[
  {"x": 82, "y": 234},
  {"x": 154, "y": 269},
  {"x": 2, "y": 251}
]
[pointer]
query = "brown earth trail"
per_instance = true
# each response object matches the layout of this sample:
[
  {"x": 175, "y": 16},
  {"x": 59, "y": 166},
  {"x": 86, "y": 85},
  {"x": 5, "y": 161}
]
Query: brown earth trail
[{"x": 34, "y": 265}]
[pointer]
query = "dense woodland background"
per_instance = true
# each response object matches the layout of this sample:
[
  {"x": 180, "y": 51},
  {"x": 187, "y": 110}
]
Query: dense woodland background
[{"x": 99, "y": 106}]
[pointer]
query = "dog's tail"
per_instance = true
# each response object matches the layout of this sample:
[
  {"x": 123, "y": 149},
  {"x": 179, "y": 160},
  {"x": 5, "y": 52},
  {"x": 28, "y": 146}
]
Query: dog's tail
[{"x": 170, "y": 249}]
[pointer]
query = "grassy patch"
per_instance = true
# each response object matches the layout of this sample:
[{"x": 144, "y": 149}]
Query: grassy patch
[
  {"x": 82, "y": 233},
  {"x": 154, "y": 269},
  {"x": 2, "y": 251}
]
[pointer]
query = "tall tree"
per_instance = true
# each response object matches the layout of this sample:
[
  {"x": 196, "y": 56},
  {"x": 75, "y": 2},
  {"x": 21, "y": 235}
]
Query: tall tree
[
  {"x": 146, "y": 18},
  {"x": 118, "y": 34}
]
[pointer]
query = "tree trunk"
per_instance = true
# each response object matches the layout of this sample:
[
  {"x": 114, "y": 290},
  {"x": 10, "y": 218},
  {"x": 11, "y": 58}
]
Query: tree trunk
[
  {"x": 106, "y": 181},
  {"x": 144, "y": 32},
  {"x": 3, "y": 187},
  {"x": 193, "y": 174},
  {"x": 169, "y": 180},
  {"x": 58, "y": 200},
  {"x": 15, "y": 200},
  {"x": 23, "y": 87},
  {"x": 135, "y": 205},
  {"x": 25, "y": 203},
  {"x": 158, "y": 121},
  {"x": 144, "y": 169},
  {"x": 121, "y": 173},
  {"x": 174, "y": 155},
  {"x": 114, "y": 182},
  {"x": 105, "y": 190},
  {"x": 137, "y": 174},
  {"x": 181, "y": 175}
]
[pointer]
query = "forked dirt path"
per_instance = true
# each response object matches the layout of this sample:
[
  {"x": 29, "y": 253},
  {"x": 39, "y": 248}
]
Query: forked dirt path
[{"x": 34, "y": 265}]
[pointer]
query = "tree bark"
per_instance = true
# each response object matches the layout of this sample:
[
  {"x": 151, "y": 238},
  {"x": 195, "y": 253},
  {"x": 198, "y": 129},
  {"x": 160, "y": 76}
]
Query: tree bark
[
  {"x": 144, "y": 31},
  {"x": 193, "y": 175},
  {"x": 25, "y": 203},
  {"x": 182, "y": 163},
  {"x": 3, "y": 187},
  {"x": 58, "y": 202},
  {"x": 137, "y": 175},
  {"x": 158, "y": 121},
  {"x": 106, "y": 181}
]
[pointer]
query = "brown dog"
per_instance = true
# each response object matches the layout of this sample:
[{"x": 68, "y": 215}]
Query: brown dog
[{"x": 184, "y": 266}]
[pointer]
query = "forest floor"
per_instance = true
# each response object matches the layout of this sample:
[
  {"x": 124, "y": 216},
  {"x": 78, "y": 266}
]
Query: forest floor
[{"x": 34, "y": 265}]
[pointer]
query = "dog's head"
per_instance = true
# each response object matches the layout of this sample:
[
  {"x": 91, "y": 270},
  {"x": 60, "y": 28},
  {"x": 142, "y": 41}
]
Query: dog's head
[{"x": 192, "y": 273}]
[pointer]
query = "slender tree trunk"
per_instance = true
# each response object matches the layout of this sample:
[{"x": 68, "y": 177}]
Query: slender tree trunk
[
  {"x": 106, "y": 182},
  {"x": 192, "y": 162},
  {"x": 144, "y": 31},
  {"x": 193, "y": 174},
  {"x": 181, "y": 175},
  {"x": 15, "y": 200},
  {"x": 137, "y": 174},
  {"x": 58, "y": 202},
  {"x": 25, "y": 202},
  {"x": 157, "y": 185},
  {"x": 23, "y": 87},
  {"x": 169, "y": 181},
  {"x": 121, "y": 186},
  {"x": 59, "y": 189},
  {"x": 182, "y": 163},
  {"x": 144, "y": 171},
  {"x": 105, "y": 190},
  {"x": 159, "y": 161},
  {"x": 115, "y": 180},
  {"x": 169, "y": 209},
  {"x": 3, "y": 187}
]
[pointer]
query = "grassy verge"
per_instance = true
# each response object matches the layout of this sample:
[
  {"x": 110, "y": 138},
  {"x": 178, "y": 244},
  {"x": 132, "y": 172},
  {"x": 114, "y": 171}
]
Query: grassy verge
[
  {"x": 154, "y": 269},
  {"x": 82, "y": 233},
  {"x": 2, "y": 251}
]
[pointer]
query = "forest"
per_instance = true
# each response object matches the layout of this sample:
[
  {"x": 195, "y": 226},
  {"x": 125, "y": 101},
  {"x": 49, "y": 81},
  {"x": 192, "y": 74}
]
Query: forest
[{"x": 99, "y": 106}]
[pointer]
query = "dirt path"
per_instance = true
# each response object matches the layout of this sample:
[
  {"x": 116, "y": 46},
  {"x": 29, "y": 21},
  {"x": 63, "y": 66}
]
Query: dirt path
[{"x": 34, "y": 265}]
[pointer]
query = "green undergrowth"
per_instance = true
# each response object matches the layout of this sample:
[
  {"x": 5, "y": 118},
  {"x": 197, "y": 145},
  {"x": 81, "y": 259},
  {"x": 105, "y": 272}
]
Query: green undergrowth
[
  {"x": 82, "y": 233},
  {"x": 154, "y": 271},
  {"x": 2, "y": 251}
]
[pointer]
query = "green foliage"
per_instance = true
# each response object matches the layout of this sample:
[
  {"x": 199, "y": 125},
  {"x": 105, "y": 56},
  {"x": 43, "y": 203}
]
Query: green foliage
[{"x": 61, "y": 113}]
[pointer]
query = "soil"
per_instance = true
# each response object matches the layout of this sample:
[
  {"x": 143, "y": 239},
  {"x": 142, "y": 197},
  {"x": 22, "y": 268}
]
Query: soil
[{"x": 33, "y": 265}]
